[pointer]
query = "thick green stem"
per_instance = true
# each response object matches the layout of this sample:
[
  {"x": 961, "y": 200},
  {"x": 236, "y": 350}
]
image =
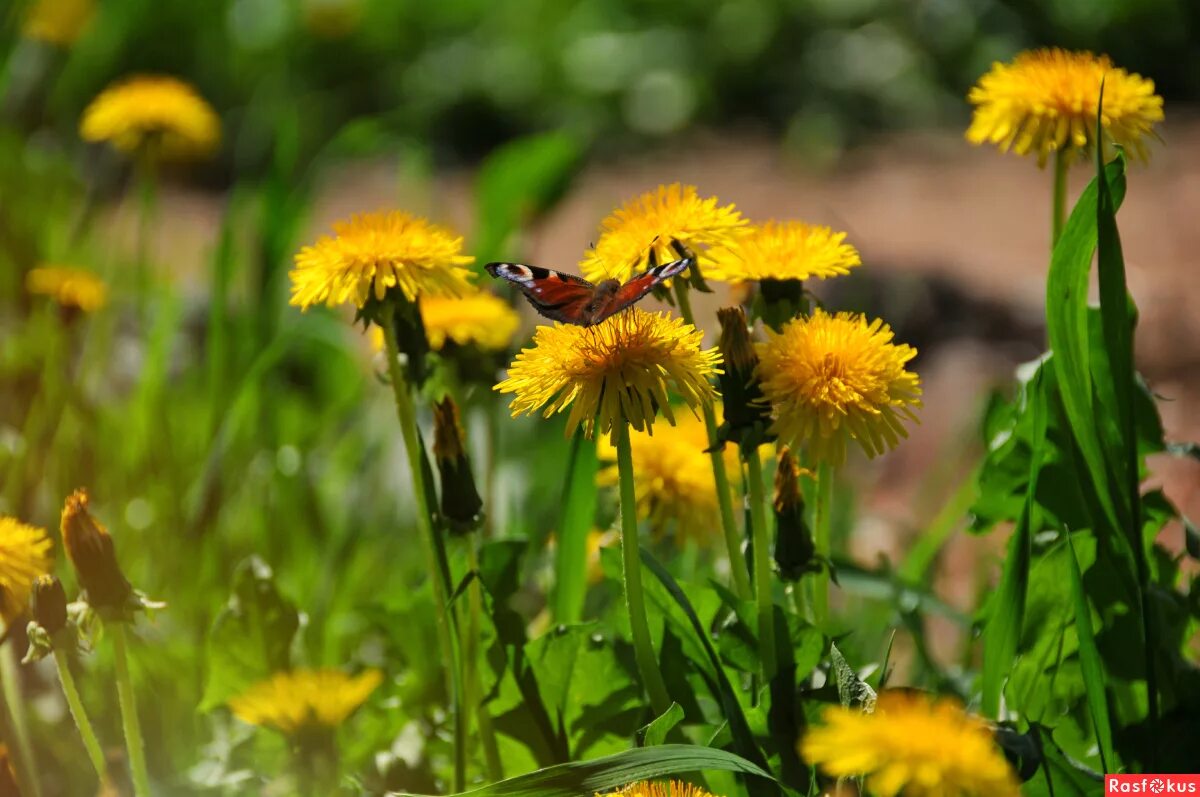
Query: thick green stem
[
  {"x": 733, "y": 542},
  {"x": 822, "y": 541},
  {"x": 762, "y": 564},
  {"x": 1059, "y": 210},
  {"x": 19, "y": 729},
  {"x": 90, "y": 742},
  {"x": 635, "y": 599},
  {"x": 129, "y": 717},
  {"x": 487, "y": 735},
  {"x": 412, "y": 444}
]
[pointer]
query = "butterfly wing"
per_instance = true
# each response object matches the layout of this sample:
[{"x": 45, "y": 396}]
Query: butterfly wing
[
  {"x": 640, "y": 285},
  {"x": 558, "y": 296}
]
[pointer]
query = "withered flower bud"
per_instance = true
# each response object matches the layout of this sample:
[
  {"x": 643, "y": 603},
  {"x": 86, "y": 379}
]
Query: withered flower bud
[
  {"x": 49, "y": 602},
  {"x": 747, "y": 414},
  {"x": 461, "y": 505},
  {"x": 794, "y": 548},
  {"x": 91, "y": 551}
]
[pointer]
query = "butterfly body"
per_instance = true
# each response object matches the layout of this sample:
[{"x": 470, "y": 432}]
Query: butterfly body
[{"x": 574, "y": 300}]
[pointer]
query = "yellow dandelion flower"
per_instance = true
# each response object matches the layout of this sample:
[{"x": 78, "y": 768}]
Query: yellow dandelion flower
[
  {"x": 597, "y": 540},
  {"x": 836, "y": 378},
  {"x": 673, "y": 478},
  {"x": 621, "y": 368},
  {"x": 478, "y": 318},
  {"x": 791, "y": 250},
  {"x": 902, "y": 749},
  {"x": 302, "y": 700},
  {"x": 58, "y": 22},
  {"x": 1045, "y": 102},
  {"x": 154, "y": 115},
  {"x": 673, "y": 788},
  {"x": 25, "y": 554},
  {"x": 374, "y": 252},
  {"x": 671, "y": 213},
  {"x": 70, "y": 287}
]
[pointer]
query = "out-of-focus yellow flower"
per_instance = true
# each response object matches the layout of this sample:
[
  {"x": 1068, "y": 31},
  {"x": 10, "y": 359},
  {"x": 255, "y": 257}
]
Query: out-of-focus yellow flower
[
  {"x": 156, "y": 116},
  {"x": 375, "y": 252},
  {"x": 673, "y": 478},
  {"x": 831, "y": 379},
  {"x": 791, "y": 250},
  {"x": 620, "y": 369},
  {"x": 71, "y": 288},
  {"x": 913, "y": 746},
  {"x": 654, "y": 220},
  {"x": 597, "y": 540},
  {"x": 1045, "y": 102},
  {"x": 302, "y": 700},
  {"x": 25, "y": 554},
  {"x": 673, "y": 788},
  {"x": 478, "y": 318},
  {"x": 58, "y": 22}
]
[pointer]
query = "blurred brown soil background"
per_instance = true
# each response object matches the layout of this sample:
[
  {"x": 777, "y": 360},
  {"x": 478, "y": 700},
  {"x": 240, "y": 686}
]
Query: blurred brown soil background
[{"x": 955, "y": 246}]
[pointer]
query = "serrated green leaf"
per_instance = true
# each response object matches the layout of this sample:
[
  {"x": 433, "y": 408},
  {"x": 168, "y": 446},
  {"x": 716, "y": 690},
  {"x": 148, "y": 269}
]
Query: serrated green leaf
[{"x": 852, "y": 690}]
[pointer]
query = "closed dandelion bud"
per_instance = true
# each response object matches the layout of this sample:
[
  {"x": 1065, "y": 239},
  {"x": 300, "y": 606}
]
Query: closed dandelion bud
[
  {"x": 461, "y": 505},
  {"x": 49, "y": 604},
  {"x": 794, "y": 548},
  {"x": 747, "y": 415},
  {"x": 91, "y": 551}
]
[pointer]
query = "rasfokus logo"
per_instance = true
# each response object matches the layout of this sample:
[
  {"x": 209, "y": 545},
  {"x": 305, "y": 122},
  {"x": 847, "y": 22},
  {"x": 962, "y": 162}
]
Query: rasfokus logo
[{"x": 1151, "y": 784}]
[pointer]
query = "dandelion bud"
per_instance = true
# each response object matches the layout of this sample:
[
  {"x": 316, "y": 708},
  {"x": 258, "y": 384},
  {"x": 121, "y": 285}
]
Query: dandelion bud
[
  {"x": 49, "y": 604},
  {"x": 461, "y": 504},
  {"x": 794, "y": 548},
  {"x": 747, "y": 415},
  {"x": 91, "y": 551}
]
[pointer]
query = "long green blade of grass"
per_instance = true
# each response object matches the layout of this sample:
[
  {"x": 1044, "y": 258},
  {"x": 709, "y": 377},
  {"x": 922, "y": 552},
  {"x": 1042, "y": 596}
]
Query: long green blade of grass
[
  {"x": 1002, "y": 632},
  {"x": 614, "y": 771},
  {"x": 578, "y": 514},
  {"x": 1090, "y": 663}
]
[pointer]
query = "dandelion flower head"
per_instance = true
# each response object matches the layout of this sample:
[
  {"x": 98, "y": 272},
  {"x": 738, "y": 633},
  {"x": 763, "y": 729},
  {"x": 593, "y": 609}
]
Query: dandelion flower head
[
  {"x": 913, "y": 746},
  {"x": 620, "y": 369},
  {"x": 25, "y": 554},
  {"x": 1045, "y": 101},
  {"x": 300, "y": 700},
  {"x": 648, "y": 788},
  {"x": 58, "y": 22},
  {"x": 790, "y": 250},
  {"x": 835, "y": 378},
  {"x": 155, "y": 115},
  {"x": 479, "y": 318},
  {"x": 653, "y": 221},
  {"x": 672, "y": 477},
  {"x": 375, "y": 252},
  {"x": 72, "y": 288}
]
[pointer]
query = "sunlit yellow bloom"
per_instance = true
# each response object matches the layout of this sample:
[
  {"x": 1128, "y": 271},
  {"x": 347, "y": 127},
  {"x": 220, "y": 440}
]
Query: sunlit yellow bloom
[
  {"x": 790, "y": 250},
  {"x": 301, "y": 700},
  {"x": 673, "y": 788},
  {"x": 1045, "y": 101},
  {"x": 479, "y": 318},
  {"x": 913, "y": 746},
  {"x": 58, "y": 22},
  {"x": 655, "y": 219},
  {"x": 673, "y": 478},
  {"x": 597, "y": 540},
  {"x": 69, "y": 287},
  {"x": 835, "y": 378},
  {"x": 374, "y": 252},
  {"x": 25, "y": 554},
  {"x": 155, "y": 115},
  {"x": 621, "y": 368}
]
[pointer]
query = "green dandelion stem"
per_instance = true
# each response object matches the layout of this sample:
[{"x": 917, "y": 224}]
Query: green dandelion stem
[
  {"x": 822, "y": 542},
  {"x": 90, "y": 742},
  {"x": 733, "y": 540},
  {"x": 762, "y": 563},
  {"x": 18, "y": 728},
  {"x": 635, "y": 599},
  {"x": 1059, "y": 209},
  {"x": 129, "y": 717},
  {"x": 487, "y": 735},
  {"x": 412, "y": 444}
]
